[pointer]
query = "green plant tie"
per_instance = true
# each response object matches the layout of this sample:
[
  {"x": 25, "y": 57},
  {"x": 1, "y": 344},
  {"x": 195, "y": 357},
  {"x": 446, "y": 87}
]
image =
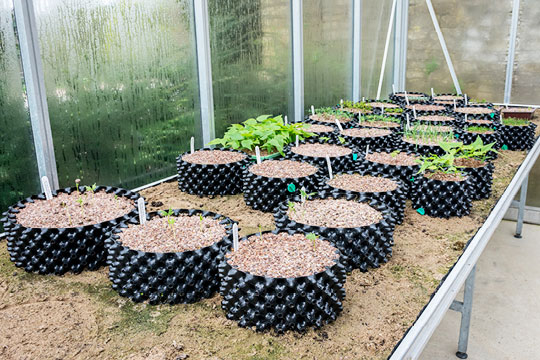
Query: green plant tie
[
  {"x": 291, "y": 187},
  {"x": 492, "y": 115},
  {"x": 411, "y": 179},
  {"x": 457, "y": 136},
  {"x": 504, "y": 147},
  {"x": 421, "y": 211},
  {"x": 494, "y": 128},
  {"x": 355, "y": 156}
]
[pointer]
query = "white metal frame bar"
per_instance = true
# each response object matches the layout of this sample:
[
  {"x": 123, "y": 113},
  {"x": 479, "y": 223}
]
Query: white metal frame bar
[
  {"x": 297, "y": 44},
  {"x": 35, "y": 89},
  {"x": 204, "y": 68},
  {"x": 400, "y": 45},
  {"x": 511, "y": 51},
  {"x": 356, "y": 50},
  {"x": 416, "y": 339},
  {"x": 386, "y": 45},
  {"x": 443, "y": 46}
]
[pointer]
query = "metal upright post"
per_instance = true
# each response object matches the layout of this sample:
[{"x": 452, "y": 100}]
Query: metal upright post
[
  {"x": 297, "y": 42},
  {"x": 356, "y": 50},
  {"x": 465, "y": 308},
  {"x": 35, "y": 89},
  {"x": 511, "y": 51},
  {"x": 521, "y": 207},
  {"x": 400, "y": 44},
  {"x": 386, "y": 44}
]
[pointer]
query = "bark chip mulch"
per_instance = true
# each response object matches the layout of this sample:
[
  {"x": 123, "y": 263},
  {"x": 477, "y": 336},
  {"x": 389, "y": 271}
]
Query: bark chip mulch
[
  {"x": 365, "y": 132},
  {"x": 334, "y": 213},
  {"x": 73, "y": 210},
  {"x": 283, "y": 169},
  {"x": 399, "y": 159},
  {"x": 187, "y": 233},
  {"x": 362, "y": 183},
  {"x": 213, "y": 157},
  {"x": 282, "y": 255},
  {"x": 321, "y": 150}
]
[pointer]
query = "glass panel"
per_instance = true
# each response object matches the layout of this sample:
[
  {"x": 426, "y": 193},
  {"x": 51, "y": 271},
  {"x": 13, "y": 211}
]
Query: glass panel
[
  {"x": 327, "y": 52},
  {"x": 476, "y": 34},
  {"x": 251, "y": 60},
  {"x": 375, "y": 18},
  {"x": 18, "y": 167},
  {"x": 120, "y": 85}
]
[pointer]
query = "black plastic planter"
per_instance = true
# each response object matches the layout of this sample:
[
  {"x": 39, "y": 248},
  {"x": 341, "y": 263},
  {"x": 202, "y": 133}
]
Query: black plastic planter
[
  {"x": 481, "y": 179},
  {"x": 282, "y": 303},
  {"x": 457, "y": 123},
  {"x": 364, "y": 247},
  {"x": 517, "y": 137},
  {"x": 209, "y": 179},
  {"x": 60, "y": 250},
  {"x": 442, "y": 199},
  {"x": 494, "y": 115},
  {"x": 339, "y": 163},
  {"x": 172, "y": 278},
  {"x": 437, "y": 98},
  {"x": 266, "y": 193},
  {"x": 394, "y": 200}
]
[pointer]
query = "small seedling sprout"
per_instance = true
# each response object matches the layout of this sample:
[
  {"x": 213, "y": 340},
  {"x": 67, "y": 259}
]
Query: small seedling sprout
[
  {"x": 260, "y": 230},
  {"x": 170, "y": 219},
  {"x": 77, "y": 181},
  {"x": 201, "y": 219},
  {"x": 313, "y": 237},
  {"x": 290, "y": 205}
]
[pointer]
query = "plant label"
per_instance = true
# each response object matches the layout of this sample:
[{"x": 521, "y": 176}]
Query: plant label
[
  {"x": 339, "y": 125},
  {"x": 466, "y": 99},
  {"x": 46, "y": 187},
  {"x": 367, "y": 150},
  {"x": 408, "y": 125},
  {"x": 393, "y": 88},
  {"x": 303, "y": 194},
  {"x": 432, "y": 93},
  {"x": 142, "y": 211},
  {"x": 312, "y": 110},
  {"x": 341, "y": 104},
  {"x": 465, "y": 117},
  {"x": 363, "y": 99},
  {"x": 406, "y": 98},
  {"x": 192, "y": 145},
  {"x": 506, "y": 105},
  {"x": 297, "y": 141},
  {"x": 235, "y": 236},
  {"x": 454, "y": 104},
  {"x": 285, "y": 121},
  {"x": 414, "y": 111},
  {"x": 329, "y": 167},
  {"x": 258, "y": 154}
]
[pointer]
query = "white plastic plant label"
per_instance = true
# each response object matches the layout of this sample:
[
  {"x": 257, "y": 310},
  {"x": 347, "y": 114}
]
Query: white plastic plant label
[
  {"x": 258, "y": 154},
  {"x": 408, "y": 124},
  {"x": 367, "y": 150},
  {"x": 341, "y": 104},
  {"x": 235, "y": 236},
  {"x": 192, "y": 145},
  {"x": 312, "y": 110},
  {"x": 454, "y": 104},
  {"x": 46, "y": 187},
  {"x": 330, "y": 175},
  {"x": 297, "y": 141},
  {"x": 339, "y": 125},
  {"x": 142, "y": 211},
  {"x": 286, "y": 122},
  {"x": 432, "y": 93},
  {"x": 414, "y": 111},
  {"x": 466, "y": 99},
  {"x": 407, "y": 98}
]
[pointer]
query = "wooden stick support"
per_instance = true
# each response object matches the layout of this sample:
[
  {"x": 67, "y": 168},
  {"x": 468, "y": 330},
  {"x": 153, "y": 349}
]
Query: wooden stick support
[
  {"x": 142, "y": 211},
  {"x": 258, "y": 154},
  {"x": 192, "y": 145},
  {"x": 235, "y": 236},
  {"x": 339, "y": 125},
  {"x": 46, "y": 186},
  {"x": 312, "y": 110},
  {"x": 330, "y": 175}
]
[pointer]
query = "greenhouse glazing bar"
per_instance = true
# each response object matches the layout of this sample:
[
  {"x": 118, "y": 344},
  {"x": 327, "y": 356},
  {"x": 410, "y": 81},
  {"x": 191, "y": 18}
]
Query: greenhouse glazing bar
[
  {"x": 356, "y": 50},
  {"x": 297, "y": 43},
  {"x": 511, "y": 52},
  {"x": 400, "y": 44}
]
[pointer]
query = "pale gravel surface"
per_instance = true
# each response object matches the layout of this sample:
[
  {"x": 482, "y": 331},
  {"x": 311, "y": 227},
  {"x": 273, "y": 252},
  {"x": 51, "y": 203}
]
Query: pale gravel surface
[
  {"x": 474, "y": 110},
  {"x": 213, "y": 157},
  {"x": 362, "y": 183},
  {"x": 400, "y": 159},
  {"x": 365, "y": 132},
  {"x": 76, "y": 209},
  {"x": 448, "y": 97},
  {"x": 334, "y": 213},
  {"x": 516, "y": 109},
  {"x": 282, "y": 255},
  {"x": 482, "y": 122},
  {"x": 316, "y": 128},
  {"x": 358, "y": 111},
  {"x": 445, "y": 177},
  {"x": 429, "y": 142},
  {"x": 431, "y": 127},
  {"x": 187, "y": 233},
  {"x": 321, "y": 150},
  {"x": 379, "y": 124},
  {"x": 436, "y": 118},
  {"x": 283, "y": 169},
  {"x": 426, "y": 107},
  {"x": 381, "y": 104},
  {"x": 329, "y": 118}
]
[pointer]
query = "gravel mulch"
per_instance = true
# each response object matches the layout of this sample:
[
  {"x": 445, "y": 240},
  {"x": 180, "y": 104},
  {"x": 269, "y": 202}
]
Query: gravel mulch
[
  {"x": 445, "y": 177},
  {"x": 381, "y": 104},
  {"x": 469, "y": 163},
  {"x": 362, "y": 183},
  {"x": 515, "y": 109},
  {"x": 428, "y": 142},
  {"x": 473, "y": 110},
  {"x": 480, "y": 122},
  {"x": 444, "y": 102},
  {"x": 358, "y": 111},
  {"x": 365, "y": 132},
  {"x": 328, "y": 118},
  {"x": 426, "y": 107},
  {"x": 448, "y": 97},
  {"x": 321, "y": 150},
  {"x": 380, "y": 124},
  {"x": 429, "y": 127},
  {"x": 282, "y": 255},
  {"x": 213, "y": 157},
  {"x": 334, "y": 213},
  {"x": 188, "y": 233},
  {"x": 399, "y": 159},
  {"x": 435, "y": 118},
  {"x": 314, "y": 128},
  {"x": 74, "y": 210},
  {"x": 283, "y": 169}
]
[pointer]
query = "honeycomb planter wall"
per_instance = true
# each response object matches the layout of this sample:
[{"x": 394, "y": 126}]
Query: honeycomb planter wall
[
  {"x": 376, "y": 143},
  {"x": 442, "y": 199},
  {"x": 481, "y": 179},
  {"x": 203, "y": 179},
  {"x": 495, "y": 115},
  {"x": 180, "y": 277},
  {"x": 339, "y": 163},
  {"x": 517, "y": 137},
  {"x": 364, "y": 247},
  {"x": 282, "y": 303},
  {"x": 60, "y": 250}
]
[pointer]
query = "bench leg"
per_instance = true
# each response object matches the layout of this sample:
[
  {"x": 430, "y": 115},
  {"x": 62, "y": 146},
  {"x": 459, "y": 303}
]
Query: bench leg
[
  {"x": 465, "y": 309},
  {"x": 521, "y": 207}
]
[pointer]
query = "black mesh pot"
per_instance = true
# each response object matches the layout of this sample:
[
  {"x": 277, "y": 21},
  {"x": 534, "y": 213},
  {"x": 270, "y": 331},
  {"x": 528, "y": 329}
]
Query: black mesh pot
[
  {"x": 442, "y": 199},
  {"x": 339, "y": 163},
  {"x": 481, "y": 179},
  {"x": 442, "y": 111},
  {"x": 401, "y": 99},
  {"x": 60, "y": 250},
  {"x": 181, "y": 277},
  {"x": 378, "y": 143},
  {"x": 459, "y": 102},
  {"x": 457, "y": 123},
  {"x": 517, "y": 137},
  {"x": 364, "y": 247},
  {"x": 494, "y": 115},
  {"x": 282, "y": 303},
  {"x": 266, "y": 193},
  {"x": 203, "y": 179},
  {"x": 394, "y": 200},
  {"x": 329, "y": 137}
]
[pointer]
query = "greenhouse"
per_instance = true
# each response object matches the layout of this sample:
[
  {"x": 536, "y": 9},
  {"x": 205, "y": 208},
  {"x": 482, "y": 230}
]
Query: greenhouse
[{"x": 256, "y": 179}]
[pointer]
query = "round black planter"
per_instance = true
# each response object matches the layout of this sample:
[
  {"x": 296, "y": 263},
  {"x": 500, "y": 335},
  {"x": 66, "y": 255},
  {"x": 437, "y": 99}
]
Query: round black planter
[
  {"x": 487, "y": 138},
  {"x": 459, "y": 102},
  {"x": 379, "y": 143},
  {"x": 394, "y": 200},
  {"x": 517, "y": 137},
  {"x": 442, "y": 199},
  {"x": 406, "y": 174},
  {"x": 180, "y": 277},
  {"x": 339, "y": 163},
  {"x": 442, "y": 111},
  {"x": 60, "y": 250},
  {"x": 495, "y": 115},
  {"x": 364, "y": 247},
  {"x": 266, "y": 193},
  {"x": 457, "y": 123},
  {"x": 211, "y": 179},
  {"x": 282, "y": 303},
  {"x": 401, "y": 99},
  {"x": 481, "y": 179}
]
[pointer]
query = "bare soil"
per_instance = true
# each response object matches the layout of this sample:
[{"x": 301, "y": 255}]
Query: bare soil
[
  {"x": 81, "y": 317},
  {"x": 383, "y": 104},
  {"x": 445, "y": 177},
  {"x": 213, "y": 157},
  {"x": 436, "y": 118},
  {"x": 315, "y": 128},
  {"x": 328, "y": 118},
  {"x": 380, "y": 124},
  {"x": 426, "y": 107},
  {"x": 469, "y": 163},
  {"x": 474, "y": 110}
]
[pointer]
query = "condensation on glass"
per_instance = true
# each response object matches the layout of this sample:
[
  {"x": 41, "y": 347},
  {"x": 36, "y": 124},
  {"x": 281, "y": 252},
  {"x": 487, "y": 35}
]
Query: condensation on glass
[
  {"x": 18, "y": 166},
  {"x": 476, "y": 34},
  {"x": 375, "y": 19},
  {"x": 121, "y": 87},
  {"x": 327, "y": 52},
  {"x": 251, "y": 59}
]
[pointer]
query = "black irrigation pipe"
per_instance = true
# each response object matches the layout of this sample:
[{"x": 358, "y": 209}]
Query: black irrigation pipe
[
  {"x": 172, "y": 278},
  {"x": 282, "y": 303},
  {"x": 60, "y": 250}
]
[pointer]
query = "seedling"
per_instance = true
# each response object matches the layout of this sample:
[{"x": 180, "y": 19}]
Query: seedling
[
  {"x": 260, "y": 230},
  {"x": 290, "y": 205},
  {"x": 324, "y": 139},
  {"x": 304, "y": 195},
  {"x": 91, "y": 189},
  {"x": 64, "y": 205},
  {"x": 515, "y": 122},
  {"x": 395, "y": 153},
  {"x": 81, "y": 203},
  {"x": 201, "y": 219},
  {"x": 313, "y": 237},
  {"x": 341, "y": 140},
  {"x": 170, "y": 219}
]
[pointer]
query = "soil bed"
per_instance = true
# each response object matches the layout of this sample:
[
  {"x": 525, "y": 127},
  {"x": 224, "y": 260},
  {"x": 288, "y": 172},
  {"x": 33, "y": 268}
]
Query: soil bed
[
  {"x": 445, "y": 177},
  {"x": 365, "y": 132},
  {"x": 400, "y": 158},
  {"x": 75, "y": 209},
  {"x": 426, "y": 142},
  {"x": 315, "y": 128},
  {"x": 362, "y": 183},
  {"x": 450, "y": 98},
  {"x": 213, "y": 157},
  {"x": 469, "y": 163},
  {"x": 380, "y": 124},
  {"x": 282, "y": 255},
  {"x": 381, "y": 104},
  {"x": 321, "y": 150}
]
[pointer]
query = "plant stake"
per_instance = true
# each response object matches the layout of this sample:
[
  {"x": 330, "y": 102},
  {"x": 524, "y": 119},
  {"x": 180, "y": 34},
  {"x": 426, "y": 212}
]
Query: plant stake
[
  {"x": 285, "y": 121},
  {"x": 297, "y": 141},
  {"x": 432, "y": 93},
  {"x": 406, "y": 98},
  {"x": 466, "y": 99},
  {"x": 258, "y": 154},
  {"x": 329, "y": 167},
  {"x": 408, "y": 126},
  {"x": 367, "y": 150},
  {"x": 454, "y": 104},
  {"x": 235, "y": 236},
  {"x": 312, "y": 110},
  {"x": 46, "y": 187},
  {"x": 339, "y": 125},
  {"x": 414, "y": 111},
  {"x": 192, "y": 144},
  {"x": 142, "y": 211},
  {"x": 341, "y": 104}
]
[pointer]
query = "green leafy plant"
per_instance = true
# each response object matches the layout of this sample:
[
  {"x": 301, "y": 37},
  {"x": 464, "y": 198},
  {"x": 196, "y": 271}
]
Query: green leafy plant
[
  {"x": 438, "y": 164},
  {"x": 290, "y": 205},
  {"x": 479, "y": 129},
  {"x": 324, "y": 139},
  {"x": 476, "y": 150},
  {"x": 170, "y": 219},
  {"x": 260, "y": 230},
  {"x": 510, "y": 121},
  {"x": 330, "y": 112},
  {"x": 379, "y": 118},
  {"x": 313, "y": 237},
  {"x": 304, "y": 195},
  {"x": 361, "y": 105},
  {"x": 64, "y": 205},
  {"x": 341, "y": 140},
  {"x": 266, "y": 132},
  {"x": 91, "y": 190},
  {"x": 393, "y": 110},
  {"x": 395, "y": 153}
]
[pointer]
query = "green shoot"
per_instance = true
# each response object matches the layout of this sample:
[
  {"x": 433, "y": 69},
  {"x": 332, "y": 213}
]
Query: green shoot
[
  {"x": 260, "y": 230},
  {"x": 201, "y": 218},
  {"x": 170, "y": 219},
  {"x": 341, "y": 140},
  {"x": 395, "y": 153},
  {"x": 77, "y": 181},
  {"x": 479, "y": 129},
  {"x": 515, "y": 122},
  {"x": 290, "y": 205},
  {"x": 313, "y": 237}
]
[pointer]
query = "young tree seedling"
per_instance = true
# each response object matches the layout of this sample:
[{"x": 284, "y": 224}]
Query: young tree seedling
[
  {"x": 170, "y": 219},
  {"x": 77, "y": 181},
  {"x": 192, "y": 145},
  {"x": 201, "y": 219},
  {"x": 64, "y": 205},
  {"x": 91, "y": 189},
  {"x": 260, "y": 230},
  {"x": 142, "y": 211},
  {"x": 313, "y": 237},
  {"x": 329, "y": 164},
  {"x": 258, "y": 154},
  {"x": 46, "y": 186},
  {"x": 235, "y": 236},
  {"x": 395, "y": 153}
]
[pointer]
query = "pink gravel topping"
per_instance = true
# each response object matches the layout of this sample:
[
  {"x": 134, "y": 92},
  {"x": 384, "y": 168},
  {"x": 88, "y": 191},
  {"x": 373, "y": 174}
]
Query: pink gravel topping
[
  {"x": 213, "y": 157},
  {"x": 365, "y": 132},
  {"x": 283, "y": 169},
  {"x": 362, "y": 183},
  {"x": 321, "y": 150}
]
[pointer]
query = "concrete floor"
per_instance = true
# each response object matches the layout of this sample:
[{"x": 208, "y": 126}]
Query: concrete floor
[{"x": 505, "y": 320}]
